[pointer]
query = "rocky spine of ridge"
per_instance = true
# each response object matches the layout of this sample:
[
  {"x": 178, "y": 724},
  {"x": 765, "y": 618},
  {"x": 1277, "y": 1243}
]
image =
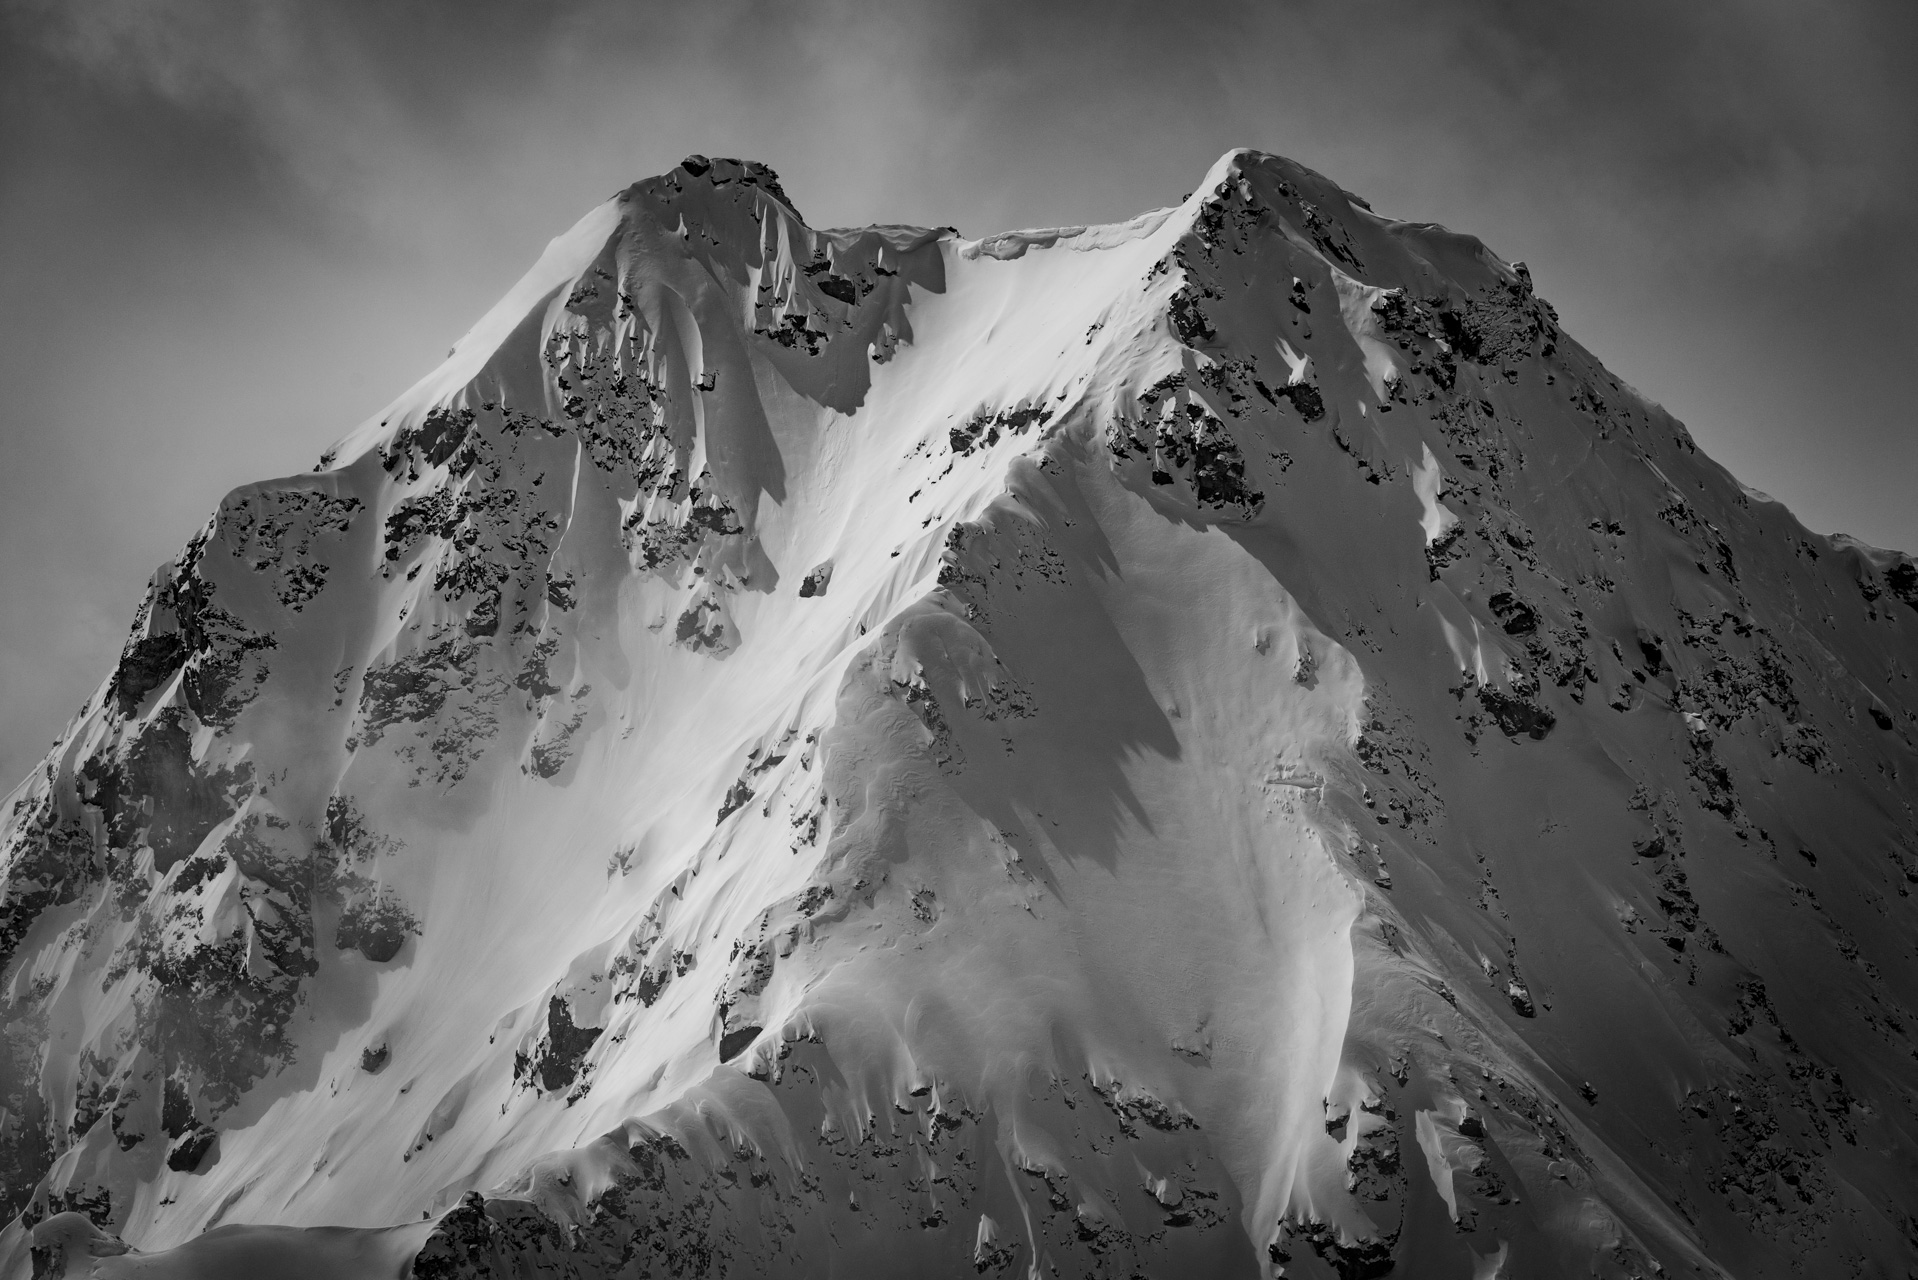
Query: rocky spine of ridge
[{"x": 1221, "y": 745}]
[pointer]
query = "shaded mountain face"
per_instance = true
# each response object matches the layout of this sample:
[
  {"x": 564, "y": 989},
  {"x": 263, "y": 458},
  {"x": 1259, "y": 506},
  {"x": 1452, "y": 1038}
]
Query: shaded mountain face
[{"x": 1222, "y": 745}]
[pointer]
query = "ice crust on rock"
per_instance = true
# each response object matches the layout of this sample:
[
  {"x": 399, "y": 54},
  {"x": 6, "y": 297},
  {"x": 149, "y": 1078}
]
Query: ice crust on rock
[{"x": 1298, "y": 771}]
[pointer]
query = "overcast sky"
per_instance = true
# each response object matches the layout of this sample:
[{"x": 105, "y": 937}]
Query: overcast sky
[{"x": 231, "y": 231}]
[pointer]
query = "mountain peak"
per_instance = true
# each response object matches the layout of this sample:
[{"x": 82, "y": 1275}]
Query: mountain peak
[
  {"x": 1179, "y": 747},
  {"x": 722, "y": 170}
]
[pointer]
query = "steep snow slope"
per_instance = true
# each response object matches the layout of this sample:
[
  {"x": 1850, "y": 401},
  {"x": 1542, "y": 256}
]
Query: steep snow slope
[{"x": 1220, "y": 745}]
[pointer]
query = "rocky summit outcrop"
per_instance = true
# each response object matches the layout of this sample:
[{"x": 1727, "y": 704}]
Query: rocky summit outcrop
[{"x": 1220, "y": 745}]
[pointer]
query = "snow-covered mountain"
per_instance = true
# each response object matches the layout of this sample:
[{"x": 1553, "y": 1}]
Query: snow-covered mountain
[{"x": 1220, "y": 745}]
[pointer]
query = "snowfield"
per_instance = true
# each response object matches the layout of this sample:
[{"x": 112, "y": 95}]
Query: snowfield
[{"x": 1220, "y": 745}]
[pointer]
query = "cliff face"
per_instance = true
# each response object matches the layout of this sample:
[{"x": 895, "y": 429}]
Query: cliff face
[{"x": 1224, "y": 744}]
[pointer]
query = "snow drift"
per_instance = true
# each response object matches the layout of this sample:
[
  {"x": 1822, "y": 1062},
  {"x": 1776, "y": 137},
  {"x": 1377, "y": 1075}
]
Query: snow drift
[{"x": 1225, "y": 744}]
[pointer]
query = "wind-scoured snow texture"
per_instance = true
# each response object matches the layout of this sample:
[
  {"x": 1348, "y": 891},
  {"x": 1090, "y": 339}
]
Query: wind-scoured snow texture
[{"x": 1220, "y": 745}]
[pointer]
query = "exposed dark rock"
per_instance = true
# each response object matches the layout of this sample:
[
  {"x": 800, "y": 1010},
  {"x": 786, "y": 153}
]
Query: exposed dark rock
[
  {"x": 1189, "y": 320},
  {"x": 1354, "y": 1260},
  {"x": 377, "y": 927},
  {"x": 413, "y": 688},
  {"x": 816, "y": 582},
  {"x": 558, "y": 1060},
  {"x": 985, "y": 429},
  {"x": 190, "y": 1148},
  {"x": 734, "y": 1043},
  {"x": 839, "y": 288},
  {"x": 1650, "y": 648},
  {"x": 1444, "y": 551},
  {"x": 1373, "y": 1171},
  {"x": 736, "y": 798},
  {"x": 1184, "y": 439},
  {"x": 1516, "y": 717},
  {"x": 145, "y": 664},
  {"x": 1305, "y": 398},
  {"x": 1902, "y": 580},
  {"x": 1513, "y": 614},
  {"x": 704, "y": 627},
  {"x": 53, "y": 863},
  {"x": 155, "y": 791},
  {"x": 27, "y": 1148}
]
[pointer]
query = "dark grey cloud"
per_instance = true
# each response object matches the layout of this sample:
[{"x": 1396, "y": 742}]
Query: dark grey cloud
[{"x": 233, "y": 229}]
